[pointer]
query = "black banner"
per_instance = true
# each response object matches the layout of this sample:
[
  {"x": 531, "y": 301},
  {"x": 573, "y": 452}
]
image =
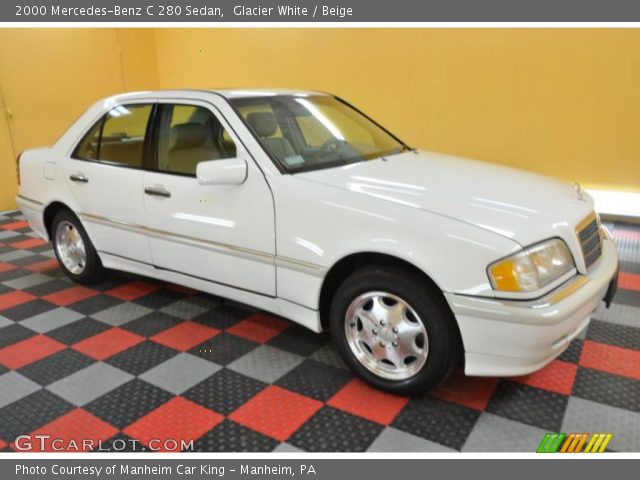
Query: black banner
[{"x": 230, "y": 11}]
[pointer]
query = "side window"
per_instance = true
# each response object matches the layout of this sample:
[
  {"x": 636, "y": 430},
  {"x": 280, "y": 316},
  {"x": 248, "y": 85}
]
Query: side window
[
  {"x": 189, "y": 135},
  {"x": 87, "y": 149},
  {"x": 123, "y": 135}
]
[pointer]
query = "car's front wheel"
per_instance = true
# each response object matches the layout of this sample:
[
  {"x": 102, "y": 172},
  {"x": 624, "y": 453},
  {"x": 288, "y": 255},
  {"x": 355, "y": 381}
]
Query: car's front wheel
[
  {"x": 394, "y": 329},
  {"x": 74, "y": 250}
]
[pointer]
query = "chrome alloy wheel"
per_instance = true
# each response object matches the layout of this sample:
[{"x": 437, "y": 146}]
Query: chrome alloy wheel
[
  {"x": 70, "y": 247},
  {"x": 386, "y": 335}
]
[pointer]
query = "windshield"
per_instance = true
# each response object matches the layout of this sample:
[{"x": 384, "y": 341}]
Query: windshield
[{"x": 312, "y": 132}]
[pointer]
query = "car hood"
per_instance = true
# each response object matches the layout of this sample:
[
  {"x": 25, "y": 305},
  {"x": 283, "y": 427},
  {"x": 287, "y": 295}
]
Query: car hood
[{"x": 519, "y": 205}]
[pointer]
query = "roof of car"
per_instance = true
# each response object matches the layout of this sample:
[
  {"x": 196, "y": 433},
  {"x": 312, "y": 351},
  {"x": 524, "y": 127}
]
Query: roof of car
[
  {"x": 226, "y": 92},
  {"x": 263, "y": 92}
]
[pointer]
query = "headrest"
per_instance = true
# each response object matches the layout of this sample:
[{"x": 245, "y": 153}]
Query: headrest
[
  {"x": 264, "y": 123},
  {"x": 187, "y": 135}
]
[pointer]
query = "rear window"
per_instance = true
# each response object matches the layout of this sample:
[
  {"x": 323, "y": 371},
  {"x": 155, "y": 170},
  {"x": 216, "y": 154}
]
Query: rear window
[{"x": 118, "y": 137}]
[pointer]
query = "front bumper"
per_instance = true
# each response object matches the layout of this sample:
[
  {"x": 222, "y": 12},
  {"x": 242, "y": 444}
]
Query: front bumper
[{"x": 510, "y": 338}]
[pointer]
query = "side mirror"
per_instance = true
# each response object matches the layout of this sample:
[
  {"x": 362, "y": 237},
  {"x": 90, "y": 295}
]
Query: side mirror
[{"x": 232, "y": 171}]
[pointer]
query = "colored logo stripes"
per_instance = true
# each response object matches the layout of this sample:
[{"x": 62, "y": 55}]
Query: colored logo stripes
[{"x": 574, "y": 443}]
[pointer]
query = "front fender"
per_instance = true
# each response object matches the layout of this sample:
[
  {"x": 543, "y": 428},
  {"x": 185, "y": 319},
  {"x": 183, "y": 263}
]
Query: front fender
[{"x": 320, "y": 225}]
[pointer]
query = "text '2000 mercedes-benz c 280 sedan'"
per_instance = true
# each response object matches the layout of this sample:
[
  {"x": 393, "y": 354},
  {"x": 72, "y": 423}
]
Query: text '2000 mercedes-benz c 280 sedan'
[{"x": 299, "y": 204}]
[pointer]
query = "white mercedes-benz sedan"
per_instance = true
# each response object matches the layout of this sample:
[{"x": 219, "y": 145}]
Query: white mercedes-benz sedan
[{"x": 299, "y": 204}]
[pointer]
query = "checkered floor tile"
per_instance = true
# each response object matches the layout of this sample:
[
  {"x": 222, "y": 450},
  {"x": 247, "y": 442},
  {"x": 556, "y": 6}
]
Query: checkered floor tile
[{"x": 134, "y": 359}]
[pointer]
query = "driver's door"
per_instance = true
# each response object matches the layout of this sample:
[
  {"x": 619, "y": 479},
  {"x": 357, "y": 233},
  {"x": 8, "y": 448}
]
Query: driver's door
[{"x": 220, "y": 233}]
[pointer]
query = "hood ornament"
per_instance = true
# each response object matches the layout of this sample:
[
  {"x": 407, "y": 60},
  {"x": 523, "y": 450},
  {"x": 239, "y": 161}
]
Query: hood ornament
[{"x": 579, "y": 191}]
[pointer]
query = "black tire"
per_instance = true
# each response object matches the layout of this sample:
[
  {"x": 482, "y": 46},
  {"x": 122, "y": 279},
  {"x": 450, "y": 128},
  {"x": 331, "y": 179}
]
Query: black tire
[
  {"x": 432, "y": 309},
  {"x": 93, "y": 271}
]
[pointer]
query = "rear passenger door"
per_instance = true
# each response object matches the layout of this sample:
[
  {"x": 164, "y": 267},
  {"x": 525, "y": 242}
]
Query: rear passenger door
[
  {"x": 219, "y": 233},
  {"x": 105, "y": 174}
]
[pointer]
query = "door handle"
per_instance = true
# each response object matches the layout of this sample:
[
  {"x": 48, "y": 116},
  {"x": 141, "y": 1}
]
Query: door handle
[
  {"x": 157, "y": 191},
  {"x": 78, "y": 177}
]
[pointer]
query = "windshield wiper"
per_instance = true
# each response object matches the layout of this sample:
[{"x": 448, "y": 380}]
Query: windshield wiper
[{"x": 403, "y": 148}]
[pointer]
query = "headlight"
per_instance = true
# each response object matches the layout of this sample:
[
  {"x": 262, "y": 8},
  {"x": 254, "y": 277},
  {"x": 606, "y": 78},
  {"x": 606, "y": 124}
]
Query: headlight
[{"x": 533, "y": 268}]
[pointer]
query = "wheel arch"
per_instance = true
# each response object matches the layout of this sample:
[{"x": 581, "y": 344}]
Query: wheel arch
[
  {"x": 50, "y": 212},
  {"x": 349, "y": 264}
]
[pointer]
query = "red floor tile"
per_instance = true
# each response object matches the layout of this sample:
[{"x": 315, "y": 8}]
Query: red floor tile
[
  {"x": 611, "y": 359},
  {"x": 43, "y": 266},
  {"x": 472, "y": 392},
  {"x": 360, "y": 399},
  {"x": 276, "y": 412},
  {"x": 623, "y": 234},
  {"x": 31, "y": 243},
  {"x": 14, "y": 225},
  {"x": 70, "y": 295},
  {"x": 556, "y": 377},
  {"x": 259, "y": 328},
  {"x": 132, "y": 290},
  {"x": 15, "y": 298},
  {"x": 6, "y": 267},
  {"x": 107, "y": 343},
  {"x": 629, "y": 281},
  {"x": 77, "y": 431},
  {"x": 179, "y": 420},
  {"x": 28, "y": 351},
  {"x": 185, "y": 336}
]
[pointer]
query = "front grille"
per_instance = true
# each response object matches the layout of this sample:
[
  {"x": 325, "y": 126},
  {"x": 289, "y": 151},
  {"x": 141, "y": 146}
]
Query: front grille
[{"x": 590, "y": 240}]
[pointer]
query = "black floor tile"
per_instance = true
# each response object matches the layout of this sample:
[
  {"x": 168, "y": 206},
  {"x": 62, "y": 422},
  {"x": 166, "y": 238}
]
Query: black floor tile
[
  {"x": 141, "y": 357},
  {"x": 31, "y": 259},
  {"x": 224, "y": 391},
  {"x": 113, "y": 280},
  {"x": 29, "y": 309},
  {"x": 299, "y": 340},
  {"x": 129, "y": 402},
  {"x": 614, "y": 334},
  {"x": 529, "y": 405},
  {"x": 15, "y": 273},
  {"x": 223, "y": 316},
  {"x": 159, "y": 298},
  {"x": 52, "y": 286},
  {"x": 223, "y": 348},
  {"x": 55, "y": 367},
  {"x": 31, "y": 412},
  {"x": 232, "y": 437},
  {"x": 436, "y": 420},
  {"x": 630, "y": 266},
  {"x": 601, "y": 387},
  {"x": 332, "y": 430},
  {"x": 316, "y": 380},
  {"x": 78, "y": 331},
  {"x": 94, "y": 304},
  {"x": 152, "y": 323},
  {"x": 627, "y": 297},
  {"x": 573, "y": 351},
  {"x": 15, "y": 333}
]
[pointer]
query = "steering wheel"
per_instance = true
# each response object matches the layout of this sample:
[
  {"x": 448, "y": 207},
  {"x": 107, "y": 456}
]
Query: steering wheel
[{"x": 332, "y": 146}]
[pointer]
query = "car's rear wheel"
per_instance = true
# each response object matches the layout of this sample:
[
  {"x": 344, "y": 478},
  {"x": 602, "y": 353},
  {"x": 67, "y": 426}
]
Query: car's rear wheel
[
  {"x": 394, "y": 329},
  {"x": 74, "y": 250}
]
